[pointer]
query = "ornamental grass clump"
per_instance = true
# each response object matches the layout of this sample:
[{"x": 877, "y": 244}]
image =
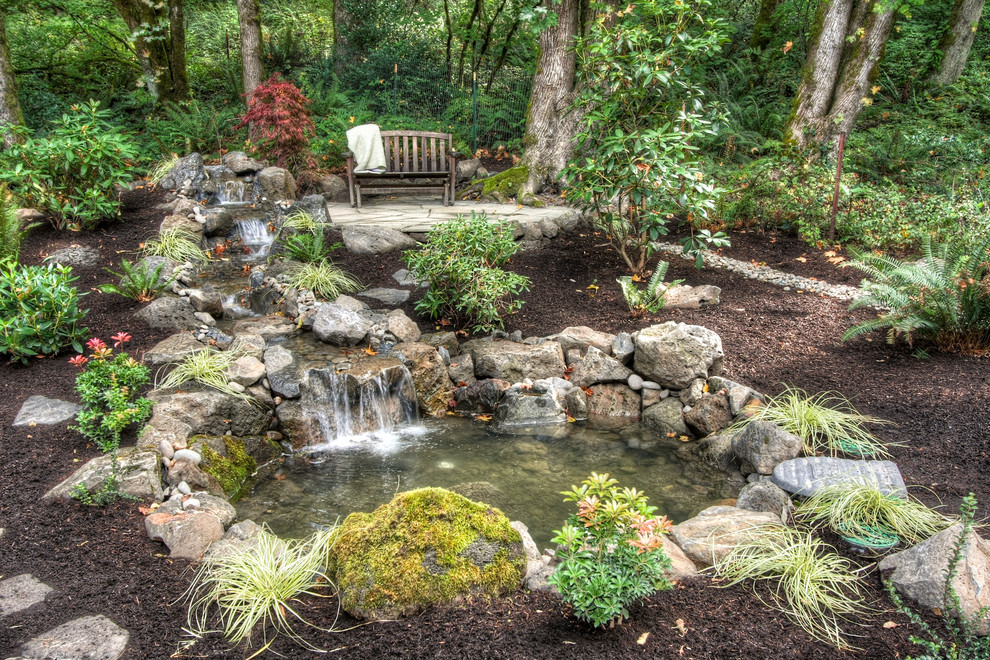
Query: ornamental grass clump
[
  {"x": 177, "y": 244},
  {"x": 862, "y": 511},
  {"x": 826, "y": 422},
  {"x": 257, "y": 586},
  {"x": 207, "y": 367},
  {"x": 612, "y": 551},
  {"x": 817, "y": 589},
  {"x": 323, "y": 279}
]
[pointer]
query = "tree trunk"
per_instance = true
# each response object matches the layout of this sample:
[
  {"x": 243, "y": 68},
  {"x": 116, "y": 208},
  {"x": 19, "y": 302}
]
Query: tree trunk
[
  {"x": 158, "y": 30},
  {"x": 550, "y": 128},
  {"x": 957, "y": 41},
  {"x": 249, "y": 19},
  {"x": 820, "y": 71},
  {"x": 10, "y": 107},
  {"x": 763, "y": 27}
]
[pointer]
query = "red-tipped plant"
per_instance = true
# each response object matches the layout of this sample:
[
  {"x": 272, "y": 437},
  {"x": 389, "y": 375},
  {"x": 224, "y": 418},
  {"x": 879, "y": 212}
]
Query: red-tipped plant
[{"x": 280, "y": 122}]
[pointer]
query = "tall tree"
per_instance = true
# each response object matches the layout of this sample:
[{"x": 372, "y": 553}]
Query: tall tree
[
  {"x": 763, "y": 28},
  {"x": 159, "y": 34},
  {"x": 957, "y": 40},
  {"x": 249, "y": 18},
  {"x": 845, "y": 46},
  {"x": 10, "y": 107}
]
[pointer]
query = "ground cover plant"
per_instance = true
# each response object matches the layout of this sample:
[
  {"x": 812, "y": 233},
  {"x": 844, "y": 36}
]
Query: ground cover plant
[
  {"x": 323, "y": 279},
  {"x": 138, "y": 281},
  {"x": 207, "y": 367},
  {"x": 177, "y": 244}
]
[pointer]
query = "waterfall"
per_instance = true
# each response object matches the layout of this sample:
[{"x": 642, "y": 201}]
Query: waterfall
[
  {"x": 233, "y": 192},
  {"x": 344, "y": 406},
  {"x": 255, "y": 235}
]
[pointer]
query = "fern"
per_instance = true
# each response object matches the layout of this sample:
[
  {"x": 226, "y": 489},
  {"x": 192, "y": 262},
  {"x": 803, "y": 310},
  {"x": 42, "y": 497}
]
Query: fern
[
  {"x": 12, "y": 228},
  {"x": 138, "y": 281},
  {"x": 652, "y": 298}
]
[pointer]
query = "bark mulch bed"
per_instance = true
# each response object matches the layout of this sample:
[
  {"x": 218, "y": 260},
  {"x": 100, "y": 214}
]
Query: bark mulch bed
[{"x": 100, "y": 561}]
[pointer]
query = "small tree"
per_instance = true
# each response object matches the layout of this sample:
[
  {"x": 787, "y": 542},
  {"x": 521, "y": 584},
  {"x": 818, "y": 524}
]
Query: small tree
[
  {"x": 642, "y": 107},
  {"x": 280, "y": 120}
]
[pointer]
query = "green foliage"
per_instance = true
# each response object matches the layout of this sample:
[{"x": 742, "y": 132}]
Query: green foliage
[
  {"x": 207, "y": 367},
  {"x": 12, "y": 229},
  {"x": 323, "y": 279},
  {"x": 177, "y": 244},
  {"x": 816, "y": 589},
  {"x": 106, "y": 495},
  {"x": 108, "y": 387},
  {"x": 855, "y": 509},
  {"x": 39, "y": 311},
  {"x": 944, "y": 297},
  {"x": 259, "y": 585},
  {"x": 611, "y": 551},
  {"x": 309, "y": 247},
  {"x": 825, "y": 422},
  {"x": 71, "y": 173},
  {"x": 193, "y": 125},
  {"x": 963, "y": 641},
  {"x": 461, "y": 260},
  {"x": 138, "y": 281},
  {"x": 636, "y": 167},
  {"x": 160, "y": 169},
  {"x": 652, "y": 298},
  {"x": 697, "y": 242}
]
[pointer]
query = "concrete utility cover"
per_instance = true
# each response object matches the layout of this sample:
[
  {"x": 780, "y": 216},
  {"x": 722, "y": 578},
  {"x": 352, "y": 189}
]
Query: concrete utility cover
[
  {"x": 42, "y": 410},
  {"x": 21, "y": 592},
  {"x": 86, "y": 638},
  {"x": 805, "y": 476}
]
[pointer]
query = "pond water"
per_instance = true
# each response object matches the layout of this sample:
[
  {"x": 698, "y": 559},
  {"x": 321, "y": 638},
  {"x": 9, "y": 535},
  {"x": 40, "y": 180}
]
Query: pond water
[{"x": 521, "y": 474}]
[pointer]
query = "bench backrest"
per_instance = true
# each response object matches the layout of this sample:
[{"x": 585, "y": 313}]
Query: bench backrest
[{"x": 417, "y": 151}]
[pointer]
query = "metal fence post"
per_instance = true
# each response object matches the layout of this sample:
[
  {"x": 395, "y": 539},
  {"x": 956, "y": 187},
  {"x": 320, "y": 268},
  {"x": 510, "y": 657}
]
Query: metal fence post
[{"x": 395, "y": 89}]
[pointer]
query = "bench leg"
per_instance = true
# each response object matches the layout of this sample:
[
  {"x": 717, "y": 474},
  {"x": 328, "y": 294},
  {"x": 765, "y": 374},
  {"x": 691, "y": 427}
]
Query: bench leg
[{"x": 357, "y": 192}]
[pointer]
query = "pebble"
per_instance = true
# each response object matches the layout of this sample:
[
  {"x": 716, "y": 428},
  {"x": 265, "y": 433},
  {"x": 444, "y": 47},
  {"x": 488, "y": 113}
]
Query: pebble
[
  {"x": 166, "y": 463},
  {"x": 184, "y": 488},
  {"x": 166, "y": 449},
  {"x": 189, "y": 455},
  {"x": 190, "y": 503},
  {"x": 650, "y": 385},
  {"x": 635, "y": 382}
]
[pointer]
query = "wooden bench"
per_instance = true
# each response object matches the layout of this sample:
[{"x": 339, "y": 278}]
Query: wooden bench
[{"x": 412, "y": 158}]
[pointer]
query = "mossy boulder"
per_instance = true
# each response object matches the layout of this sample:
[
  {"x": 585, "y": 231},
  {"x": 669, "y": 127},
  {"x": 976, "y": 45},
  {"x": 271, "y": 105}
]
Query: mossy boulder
[
  {"x": 234, "y": 460},
  {"x": 425, "y": 547}
]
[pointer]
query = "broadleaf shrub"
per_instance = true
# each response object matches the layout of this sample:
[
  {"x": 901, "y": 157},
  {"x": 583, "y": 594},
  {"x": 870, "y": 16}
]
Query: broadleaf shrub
[
  {"x": 39, "y": 311},
  {"x": 279, "y": 117},
  {"x": 72, "y": 171},
  {"x": 461, "y": 262}
]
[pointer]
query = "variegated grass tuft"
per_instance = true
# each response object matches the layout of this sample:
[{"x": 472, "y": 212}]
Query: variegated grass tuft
[
  {"x": 177, "y": 244},
  {"x": 323, "y": 279},
  {"x": 207, "y": 367}
]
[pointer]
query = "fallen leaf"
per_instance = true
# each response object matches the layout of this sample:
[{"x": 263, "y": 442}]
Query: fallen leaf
[
  {"x": 801, "y": 259},
  {"x": 642, "y": 638},
  {"x": 570, "y": 420},
  {"x": 484, "y": 418},
  {"x": 890, "y": 624},
  {"x": 684, "y": 438},
  {"x": 593, "y": 287},
  {"x": 681, "y": 626},
  {"x": 836, "y": 260},
  {"x": 370, "y": 351},
  {"x": 704, "y": 388},
  {"x": 636, "y": 278},
  {"x": 788, "y": 46},
  {"x": 830, "y": 253},
  {"x": 671, "y": 434}
]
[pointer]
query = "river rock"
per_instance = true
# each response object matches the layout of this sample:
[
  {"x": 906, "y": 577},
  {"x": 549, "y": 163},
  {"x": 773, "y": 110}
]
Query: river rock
[
  {"x": 597, "y": 367},
  {"x": 616, "y": 401},
  {"x": 403, "y": 327},
  {"x": 86, "y": 638},
  {"x": 581, "y": 337},
  {"x": 514, "y": 362},
  {"x": 169, "y": 313},
  {"x": 762, "y": 446},
  {"x": 763, "y": 496},
  {"x": 713, "y": 533},
  {"x": 691, "y": 297},
  {"x": 246, "y": 370},
  {"x": 174, "y": 349},
  {"x": 38, "y": 409},
  {"x": 339, "y": 326},
  {"x": 708, "y": 415},
  {"x": 276, "y": 184},
  {"x": 674, "y": 354},
  {"x": 187, "y": 534},
  {"x": 248, "y": 344},
  {"x": 371, "y": 239},
  {"x": 138, "y": 474},
  {"x": 429, "y": 375},
  {"x": 666, "y": 417},
  {"x": 805, "y": 476},
  {"x": 919, "y": 574},
  {"x": 206, "y": 300}
]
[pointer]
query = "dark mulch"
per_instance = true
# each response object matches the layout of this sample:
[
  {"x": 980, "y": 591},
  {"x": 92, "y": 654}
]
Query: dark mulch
[{"x": 101, "y": 561}]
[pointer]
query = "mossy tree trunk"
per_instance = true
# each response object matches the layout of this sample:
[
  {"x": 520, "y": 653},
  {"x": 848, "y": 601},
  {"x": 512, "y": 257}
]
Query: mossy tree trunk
[
  {"x": 10, "y": 107},
  {"x": 957, "y": 40},
  {"x": 763, "y": 28},
  {"x": 158, "y": 31},
  {"x": 249, "y": 20},
  {"x": 550, "y": 128},
  {"x": 846, "y": 44}
]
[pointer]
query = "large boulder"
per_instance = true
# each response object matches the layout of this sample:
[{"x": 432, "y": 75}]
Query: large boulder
[
  {"x": 674, "y": 354},
  {"x": 481, "y": 396},
  {"x": 169, "y": 313},
  {"x": 528, "y": 407},
  {"x": 240, "y": 163},
  {"x": 178, "y": 415},
  {"x": 761, "y": 446},
  {"x": 285, "y": 375},
  {"x": 186, "y": 175},
  {"x": 425, "y": 547},
  {"x": 332, "y": 187},
  {"x": 276, "y": 184},
  {"x": 919, "y": 574},
  {"x": 597, "y": 367},
  {"x": 187, "y": 534},
  {"x": 807, "y": 475},
  {"x": 616, "y": 402},
  {"x": 370, "y": 239},
  {"x": 138, "y": 474},
  {"x": 429, "y": 375},
  {"x": 581, "y": 337},
  {"x": 708, "y": 415},
  {"x": 713, "y": 533},
  {"x": 339, "y": 326},
  {"x": 764, "y": 496},
  {"x": 513, "y": 362}
]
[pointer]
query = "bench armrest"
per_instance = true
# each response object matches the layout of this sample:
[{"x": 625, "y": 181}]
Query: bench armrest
[
  {"x": 457, "y": 154},
  {"x": 346, "y": 154}
]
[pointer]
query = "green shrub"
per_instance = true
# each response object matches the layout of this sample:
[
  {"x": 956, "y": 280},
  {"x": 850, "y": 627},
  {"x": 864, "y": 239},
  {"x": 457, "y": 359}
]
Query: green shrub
[
  {"x": 138, "y": 281},
  {"x": 309, "y": 247},
  {"x": 461, "y": 262},
  {"x": 943, "y": 298},
  {"x": 12, "y": 228},
  {"x": 612, "y": 551},
  {"x": 108, "y": 389},
  {"x": 39, "y": 311},
  {"x": 192, "y": 125},
  {"x": 323, "y": 279},
  {"x": 71, "y": 173}
]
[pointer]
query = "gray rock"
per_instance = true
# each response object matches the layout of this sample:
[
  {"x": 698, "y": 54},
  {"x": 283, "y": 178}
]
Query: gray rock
[
  {"x": 739, "y": 395},
  {"x": 403, "y": 327},
  {"x": 246, "y": 371},
  {"x": 218, "y": 222},
  {"x": 30, "y": 215},
  {"x": 174, "y": 349},
  {"x": 674, "y": 354},
  {"x": 805, "y": 476},
  {"x": 461, "y": 368},
  {"x": 268, "y": 327},
  {"x": 347, "y": 302},
  {"x": 717, "y": 450},
  {"x": 681, "y": 566},
  {"x": 581, "y": 337},
  {"x": 480, "y": 396},
  {"x": 138, "y": 475},
  {"x": 522, "y": 408},
  {"x": 665, "y": 417},
  {"x": 467, "y": 168},
  {"x": 597, "y": 367},
  {"x": 75, "y": 255},
  {"x": 178, "y": 415},
  {"x": 169, "y": 313},
  {"x": 241, "y": 537},
  {"x": 919, "y": 574},
  {"x": 187, "y": 534},
  {"x": 548, "y": 228},
  {"x": 763, "y": 446},
  {"x": 429, "y": 376},
  {"x": 38, "y": 409},
  {"x": 339, "y": 326},
  {"x": 240, "y": 163},
  {"x": 21, "y": 592},
  {"x": 446, "y": 340},
  {"x": 576, "y": 401},
  {"x": 284, "y": 373},
  {"x": 370, "y": 239},
  {"x": 763, "y": 496},
  {"x": 206, "y": 300},
  {"x": 183, "y": 222},
  {"x": 184, "y": 470},
  {"x": 332, "y": 187},
  {"x": 614, "y": 400},
  {"x": 391, "y": 297},
  {"x": 691, "y": 297},
  {"x": 513, "y": 362},
  {"x": 404, "y": 278},
  {"x": 188, "y": 455},
  {"x": 201, "y": 501},
  {"x": 623, "y": 347},
  {"x": 248, "y": 344},
  {"x": 205, "y": 318},
  {"x": 276, "y": 184},
  {"x": 186, "y": 176},
  {"x": 538, "y": 569},
  {"x": 693, "y": 392},
  {"x": 713, "y": 533},
  {"x": 166, "y": 449},
  {"x": 708, "y": 415},
  {"x": 183, "y": 488},
  {"x": 635, "y": 381},
  {"x": 86, "y": 638}
]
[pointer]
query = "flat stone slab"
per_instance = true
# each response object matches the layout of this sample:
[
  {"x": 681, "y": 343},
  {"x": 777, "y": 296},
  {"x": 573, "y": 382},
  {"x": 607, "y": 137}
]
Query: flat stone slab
[
  {"x": 805, "y": 476},
  {"x": 387, "y": 296},
  {"x": 21, "y": 592},
  {"x": 415, "y": 213},
  {"x": 42, "y": 410},
  {"x": 86, "y": 638}
]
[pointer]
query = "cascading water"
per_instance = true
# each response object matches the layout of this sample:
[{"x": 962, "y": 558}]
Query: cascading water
[
  {"x": 234, "y": 192},
  {"x": 256, "y": 236}
]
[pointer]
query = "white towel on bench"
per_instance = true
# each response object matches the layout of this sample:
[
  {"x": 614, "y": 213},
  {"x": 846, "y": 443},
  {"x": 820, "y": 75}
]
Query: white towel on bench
[{"x": 365, "y": 142}]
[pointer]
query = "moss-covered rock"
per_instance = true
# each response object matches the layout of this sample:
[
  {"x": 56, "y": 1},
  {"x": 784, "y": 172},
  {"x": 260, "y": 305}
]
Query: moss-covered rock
[
  {"x": 233, "y": 460},
  {"x": 425, "y": 547}
]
